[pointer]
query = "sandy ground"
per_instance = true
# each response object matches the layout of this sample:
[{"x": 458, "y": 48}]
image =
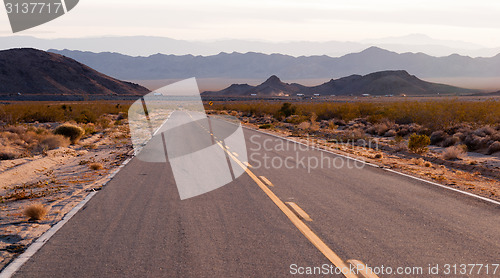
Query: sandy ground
[
  {"x": 474, "y": 172},
  {"x": 59, "y": 180}
]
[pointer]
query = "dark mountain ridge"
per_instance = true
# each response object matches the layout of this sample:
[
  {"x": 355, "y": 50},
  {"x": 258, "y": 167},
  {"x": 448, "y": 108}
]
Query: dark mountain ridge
[
  {"x": 397, "y": 82},
  {"x": 27, "y": 71}
]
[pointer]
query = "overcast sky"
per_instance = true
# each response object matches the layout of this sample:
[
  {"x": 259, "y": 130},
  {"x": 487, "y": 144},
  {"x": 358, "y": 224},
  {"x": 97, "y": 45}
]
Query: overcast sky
[{"x": 277, "y": 20}]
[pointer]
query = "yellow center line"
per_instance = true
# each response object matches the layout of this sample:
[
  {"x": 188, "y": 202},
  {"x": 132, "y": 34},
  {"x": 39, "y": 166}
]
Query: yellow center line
[
  {"x": 303, "y": 228},
  {"x": 299, "y": 211},
  {"x": 268, "y": 182}
]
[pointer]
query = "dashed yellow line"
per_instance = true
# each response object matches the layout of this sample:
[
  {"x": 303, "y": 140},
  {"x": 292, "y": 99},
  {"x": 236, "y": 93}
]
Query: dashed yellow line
[
  {"x": 300, "y": 212},
  {"x": 303, "y": 228},
  {"x": 268, "y": 182}
]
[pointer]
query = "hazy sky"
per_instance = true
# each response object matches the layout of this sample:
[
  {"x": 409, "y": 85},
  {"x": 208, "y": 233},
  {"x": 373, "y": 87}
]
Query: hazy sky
[{"x": 277, "y": 20}]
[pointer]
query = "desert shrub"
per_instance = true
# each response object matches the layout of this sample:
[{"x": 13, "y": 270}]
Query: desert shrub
[
  {"x": 287, "y": 109},
  {"x": 381, "y": 128},
  {"x": 418, "y": 143},
  {"x": 6, "y": 155},
  {"x": 15, "y": 129},
  {"x": 96, "y": 166},
  {"x": 450, "y": 141},
  {"x": 89, "y": 129},
  {"x": 453, "y": 153},
  {"x": 438, "y": 136},
  {"x": 86, "y": 116},
  {"x": 474, "y": 142},
  {"x": 266, "y": 126},
  {"x": 495, "y": 136},
  {"x": 390, "y": 133},
  {"x": 74, "y": 133},
  {"x": 304, "y": 125},
  {"x": 35, "y": 211},
  {"x": 494, "y": 147},
  {"x": 104, "y": 122},
  {"x": 332, "y": 125},
  {"x": 484, "y": 131},
  {"x": 296, "y": 119},
  {"x": 403, "y": 131},
  {"x": 55, "y": 141}
]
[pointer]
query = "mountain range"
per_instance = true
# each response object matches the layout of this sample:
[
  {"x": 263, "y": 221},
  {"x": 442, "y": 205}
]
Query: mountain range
[
  {"x": 378, "y": 83},
  {"x": 260, "y": 66},
  {"x": 34, "y": 72},
  {"x": 149, "y": 45}
]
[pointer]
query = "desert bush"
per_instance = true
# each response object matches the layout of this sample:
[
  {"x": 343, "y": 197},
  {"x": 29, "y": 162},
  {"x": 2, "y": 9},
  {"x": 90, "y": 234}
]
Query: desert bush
[
  {"x": 390, "y": 133},
  {"x": 494, "y": 147},
  {"x": 474, "y": 142},
  {"x": 55, "y": 141},
  {"x": 418, "y": 143},
  {"x": 296, "y": 119},
  {"x": 450, "y": 141},
  {"x": 266, "y": 126},
  {"x": 287, "y": 109},
  {"x": 7, "y": 155},
  {"x": 495, "y": 136},
  {"x": 304, "y": 125},
  {"x": 35, "y": 211},
  {"x": 332, "y": 125},
  {"x": 15, "y": 129},
  {"x": 381, "y": 128},
  {"x": 484, "y": 131},
  {"x": 453, "y": 153},
  {"x": 74, "y": 133},
  {"x": 96, "y": 166},
  {"x": 438, "y": 136}
]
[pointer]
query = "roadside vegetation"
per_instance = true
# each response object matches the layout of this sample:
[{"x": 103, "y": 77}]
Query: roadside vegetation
[
  {"x": 33, "y": 128},
  {"x": 443, "y": 123}
]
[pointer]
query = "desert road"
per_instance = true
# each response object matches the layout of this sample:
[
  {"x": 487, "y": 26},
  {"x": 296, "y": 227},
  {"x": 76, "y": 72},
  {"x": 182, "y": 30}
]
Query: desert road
[{"x": 137, "y": 226}]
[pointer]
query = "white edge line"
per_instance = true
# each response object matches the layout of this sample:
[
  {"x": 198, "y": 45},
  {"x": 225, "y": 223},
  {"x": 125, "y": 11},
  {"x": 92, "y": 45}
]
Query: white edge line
[
  {"x": 14, "y": 265},
  {"x": 390, "y": 170}
]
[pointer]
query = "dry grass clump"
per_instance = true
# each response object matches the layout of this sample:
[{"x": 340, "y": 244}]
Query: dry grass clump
[
  {"x": 304, "y": 125},
  {"x": 453, "y": 153},
  {"x": 7, "y": 155},
  {"x": 54, "y": 141},
  {"x": 35, "y": 211},
  {"x": 73, "y": 132},
  {"x": 96, "y": 166}
]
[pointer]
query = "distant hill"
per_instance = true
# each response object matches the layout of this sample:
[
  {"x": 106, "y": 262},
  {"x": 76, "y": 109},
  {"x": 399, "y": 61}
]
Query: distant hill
[
  {"x": 259, "y": 66},
  {"x": 379, "y": 83},
  {"x": 27, "y": 71}
]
